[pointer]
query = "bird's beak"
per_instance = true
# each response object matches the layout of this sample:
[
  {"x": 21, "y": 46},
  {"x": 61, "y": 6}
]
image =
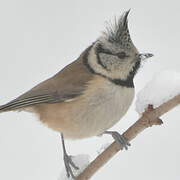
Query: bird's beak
[{"x": 144, "y": 56}]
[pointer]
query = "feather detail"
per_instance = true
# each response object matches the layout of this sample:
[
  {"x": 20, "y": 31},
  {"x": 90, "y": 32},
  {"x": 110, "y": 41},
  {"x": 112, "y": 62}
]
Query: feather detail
[
  {"x": 20, "y": 103},
  {"x": 65, "y": 86}
]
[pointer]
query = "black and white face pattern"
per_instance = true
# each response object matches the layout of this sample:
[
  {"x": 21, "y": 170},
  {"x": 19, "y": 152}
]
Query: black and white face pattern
[
  {"x": 115, "y": 49},
  {"x": 114, "y": 55},
  {"x": 109, "y": 59}
]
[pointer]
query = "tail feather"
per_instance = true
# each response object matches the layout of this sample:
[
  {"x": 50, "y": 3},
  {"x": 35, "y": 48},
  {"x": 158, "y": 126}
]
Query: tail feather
[{"x": 25, "y": 102}]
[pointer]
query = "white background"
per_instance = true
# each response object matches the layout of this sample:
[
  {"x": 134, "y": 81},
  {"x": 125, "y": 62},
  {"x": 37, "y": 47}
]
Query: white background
[{"x": 40, "y": 37}]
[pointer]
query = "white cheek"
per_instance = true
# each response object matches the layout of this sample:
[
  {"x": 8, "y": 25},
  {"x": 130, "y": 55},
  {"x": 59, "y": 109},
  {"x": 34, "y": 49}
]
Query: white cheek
[
  {"x": 116, "y": 69},
  {"x": 110, "y": 61}
]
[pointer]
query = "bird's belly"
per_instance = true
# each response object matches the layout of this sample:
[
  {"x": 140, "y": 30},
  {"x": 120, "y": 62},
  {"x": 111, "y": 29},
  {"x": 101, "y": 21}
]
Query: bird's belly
[
  {"x": 104, "y": 112},
  {"x": 89, "y": 115}
]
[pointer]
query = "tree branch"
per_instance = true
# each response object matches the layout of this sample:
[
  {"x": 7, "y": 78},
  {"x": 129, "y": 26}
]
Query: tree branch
[{"x": 149, "y": 118}]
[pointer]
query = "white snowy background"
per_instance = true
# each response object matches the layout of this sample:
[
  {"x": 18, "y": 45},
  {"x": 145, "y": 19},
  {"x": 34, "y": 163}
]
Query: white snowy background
[{"x": 40, "y": 37}]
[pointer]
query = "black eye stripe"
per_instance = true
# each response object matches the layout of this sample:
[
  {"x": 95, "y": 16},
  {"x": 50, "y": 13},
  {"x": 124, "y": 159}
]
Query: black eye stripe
[
  {"x": 99, "y": 49},
  {"x": 120, "y": 55}
]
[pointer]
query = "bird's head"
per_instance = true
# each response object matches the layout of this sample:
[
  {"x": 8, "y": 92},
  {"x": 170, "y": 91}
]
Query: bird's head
[{"x": 113, "y": 54}]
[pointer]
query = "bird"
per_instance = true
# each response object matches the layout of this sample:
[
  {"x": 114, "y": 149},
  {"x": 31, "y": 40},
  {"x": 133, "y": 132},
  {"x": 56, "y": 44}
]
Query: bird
[{"x": 90, "y": 95}]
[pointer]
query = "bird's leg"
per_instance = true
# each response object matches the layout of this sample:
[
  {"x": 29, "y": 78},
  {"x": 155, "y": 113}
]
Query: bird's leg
[
  {"x": 119, "y": 139},
  {"x": 68, "y": 160}
]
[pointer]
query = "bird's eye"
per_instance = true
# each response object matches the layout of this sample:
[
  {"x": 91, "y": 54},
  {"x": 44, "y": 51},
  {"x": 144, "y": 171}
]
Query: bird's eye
[{"x": 121, "y": 55}]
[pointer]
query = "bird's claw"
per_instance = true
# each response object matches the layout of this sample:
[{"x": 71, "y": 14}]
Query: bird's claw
[
  {"x": 68, "y": 163},
  {"x": 119, "y": 139}
]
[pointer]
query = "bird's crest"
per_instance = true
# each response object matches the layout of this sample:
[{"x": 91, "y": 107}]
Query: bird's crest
[{"x": 118, "y": 31}]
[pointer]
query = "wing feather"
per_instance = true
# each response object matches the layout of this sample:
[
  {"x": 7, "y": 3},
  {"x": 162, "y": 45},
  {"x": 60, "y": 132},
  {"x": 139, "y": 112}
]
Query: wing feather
[
  {"x": 20, "y": 103},
  {"x": 69, "y": 83}
]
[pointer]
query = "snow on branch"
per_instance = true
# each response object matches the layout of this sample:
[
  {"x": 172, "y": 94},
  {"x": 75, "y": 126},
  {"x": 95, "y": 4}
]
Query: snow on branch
[{"x": 163, "y": 87}]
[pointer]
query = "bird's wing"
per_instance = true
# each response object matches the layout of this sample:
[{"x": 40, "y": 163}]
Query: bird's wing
[{"x": 69, "y": 83}]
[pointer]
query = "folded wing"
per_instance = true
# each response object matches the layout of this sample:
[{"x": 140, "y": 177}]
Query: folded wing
[{"x": 67, "y": 84}]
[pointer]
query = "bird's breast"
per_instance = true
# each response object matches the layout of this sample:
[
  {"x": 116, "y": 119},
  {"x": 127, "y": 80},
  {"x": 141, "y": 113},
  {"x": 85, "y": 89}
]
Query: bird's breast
[
  {"x": 104, "y": 105},
  {"x": 100, "y": 106}
]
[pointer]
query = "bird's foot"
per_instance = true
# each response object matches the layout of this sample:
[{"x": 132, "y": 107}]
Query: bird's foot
[
  {"x": 119, "y": 139},
  {"x": 68, "y": 163}
]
